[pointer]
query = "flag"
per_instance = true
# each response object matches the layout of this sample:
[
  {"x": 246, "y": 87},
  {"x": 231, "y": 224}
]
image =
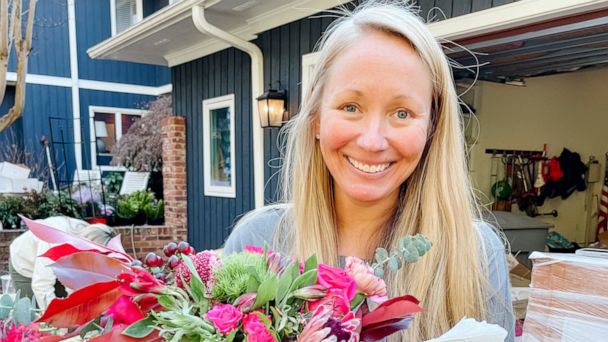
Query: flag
[{"x": 602, "y": 223}]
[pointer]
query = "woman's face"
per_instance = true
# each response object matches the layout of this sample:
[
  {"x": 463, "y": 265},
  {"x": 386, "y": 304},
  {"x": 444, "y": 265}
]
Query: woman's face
[{"x": 374, "y": 117}]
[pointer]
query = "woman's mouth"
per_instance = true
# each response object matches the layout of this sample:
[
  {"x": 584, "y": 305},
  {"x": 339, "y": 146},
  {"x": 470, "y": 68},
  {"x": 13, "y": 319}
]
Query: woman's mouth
[{"x": 368, "y": 168}]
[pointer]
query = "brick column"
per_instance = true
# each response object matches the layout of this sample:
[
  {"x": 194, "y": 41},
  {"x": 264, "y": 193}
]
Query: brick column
[{"x": 174, "y": 175}]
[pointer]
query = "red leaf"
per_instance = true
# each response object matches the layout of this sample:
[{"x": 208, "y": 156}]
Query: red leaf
[
  {"x": 389, "y": 317},
  {"x": 56, "y": 236},
  {"x": 81, "y": 306},
  {"x": 81, "y": 269},
  {"x": 57, "y": 252},
  {"x": 115, "y": 335}
]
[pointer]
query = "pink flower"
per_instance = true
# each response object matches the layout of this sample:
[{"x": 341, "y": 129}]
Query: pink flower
[
  {"x": 205, "y": 263},
  {"x": 124, "y": 311},
  {"x": 256, "y": 330},
  {"x": 367, "y": 283},
  {"x": 337, "y": 278},
  {"x": 322, "y": 327},
  {"x": 254, "y": 249},
  {"x": 224, "y": 317},
  {"x": 335, "y": 299},
  {"x": 245, "y": 302}
]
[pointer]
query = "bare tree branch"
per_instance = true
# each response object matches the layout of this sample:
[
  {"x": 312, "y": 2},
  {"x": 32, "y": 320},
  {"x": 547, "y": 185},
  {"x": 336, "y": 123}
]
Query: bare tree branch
[{"x": 23, "y": 48}]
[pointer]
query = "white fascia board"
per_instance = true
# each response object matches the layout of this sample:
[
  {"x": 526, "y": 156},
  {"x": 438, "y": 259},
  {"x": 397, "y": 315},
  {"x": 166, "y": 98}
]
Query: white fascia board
[
  {"x": 56, "y": 81},
  {"x": 512, "y": 15}
]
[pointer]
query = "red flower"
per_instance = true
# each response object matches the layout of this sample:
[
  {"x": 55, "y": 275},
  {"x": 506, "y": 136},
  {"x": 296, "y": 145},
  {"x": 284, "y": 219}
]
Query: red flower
[
  {"x": 139, "y": 281},
  {"x": 124, "y": 311},
  {"x": 336, "y": 300},
  {"x": 337, "y": 278},
  {"x": 24, "y": 333},
  {"x": 205, "y": 264}
]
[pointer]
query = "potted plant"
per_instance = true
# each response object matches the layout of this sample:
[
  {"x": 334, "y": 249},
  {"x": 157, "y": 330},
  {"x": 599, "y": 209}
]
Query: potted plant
[
  {"x": 155, "y": 212},
  {"x": 10, "y": 206}
]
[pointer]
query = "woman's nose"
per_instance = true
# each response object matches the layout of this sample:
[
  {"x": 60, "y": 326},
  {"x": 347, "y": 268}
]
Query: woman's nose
[{"x": 372, "y": 137}]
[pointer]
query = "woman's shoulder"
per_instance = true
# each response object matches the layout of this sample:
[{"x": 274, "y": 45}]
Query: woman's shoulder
[
  {"x": 255, "y": 228},
  {"x": 493, "y": 240}
]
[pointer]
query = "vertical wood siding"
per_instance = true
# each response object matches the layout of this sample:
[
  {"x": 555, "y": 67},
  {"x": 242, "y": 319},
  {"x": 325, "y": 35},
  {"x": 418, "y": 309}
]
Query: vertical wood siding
[{"x": 92, "y": 27}]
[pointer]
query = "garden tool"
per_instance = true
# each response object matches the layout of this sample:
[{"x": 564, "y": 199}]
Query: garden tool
[{"x": 45, "y": 143}]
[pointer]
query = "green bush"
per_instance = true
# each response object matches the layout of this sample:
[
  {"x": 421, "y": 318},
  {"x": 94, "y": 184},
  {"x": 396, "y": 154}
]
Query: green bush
[
  {"x": 10, "y": 206},
  {"x": 155, "y": 210}
]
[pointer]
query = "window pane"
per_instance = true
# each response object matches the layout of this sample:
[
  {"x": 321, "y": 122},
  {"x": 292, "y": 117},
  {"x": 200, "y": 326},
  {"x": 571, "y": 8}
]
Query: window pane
[
  {"x": 127, "y": 121},
  {"x": 221, "y": 169},
  {"x": 104, "y": 131},
  {"x": 126, "y": 14}
]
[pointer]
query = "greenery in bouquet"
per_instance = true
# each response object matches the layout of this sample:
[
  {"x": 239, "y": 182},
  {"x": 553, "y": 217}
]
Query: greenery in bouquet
[
  {"x": 255, "y": 295},
  {"x": 17, "y": 317}
]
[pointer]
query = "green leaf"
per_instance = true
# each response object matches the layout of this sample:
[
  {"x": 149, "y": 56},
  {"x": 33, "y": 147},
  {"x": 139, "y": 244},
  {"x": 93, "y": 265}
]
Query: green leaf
[
  {"x": 141, "y": 328},
  {"x": 197, "y": 290},
  {"x": 410, "y": 253},
  {"x": 6, "y": 304},
  {"x": 93, "y": 325},
  {"x": 231, "y": 335},
  {"x": 266, "y": 291},
  {"x": 109, "y": 325},
  {"x": 311, "y": 263},
  {"x": 307, "y": 278},
  {"x": 253, "y": 284},
  {"x": 167, "y": 302},
  {"x": 283, "y": 286},
  {"x": 357, "y": 301},
  {"x": 381, "y": 255}
]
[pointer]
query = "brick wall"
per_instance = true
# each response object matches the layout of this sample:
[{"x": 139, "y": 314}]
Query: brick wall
[{"x": 6, "y": 237}]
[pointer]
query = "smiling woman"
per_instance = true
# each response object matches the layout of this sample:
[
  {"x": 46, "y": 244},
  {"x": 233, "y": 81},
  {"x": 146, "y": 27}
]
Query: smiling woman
[{"x": 376, "y": 153}]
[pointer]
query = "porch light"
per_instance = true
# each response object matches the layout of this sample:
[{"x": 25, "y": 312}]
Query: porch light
[{"x": 271, "y": 106}]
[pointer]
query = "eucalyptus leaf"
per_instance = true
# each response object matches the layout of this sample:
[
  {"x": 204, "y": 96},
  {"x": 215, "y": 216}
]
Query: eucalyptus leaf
[
  {"x": 381, "y": 255},
  {"x": 379, "y": 272},
  {"x": 393, "y": 264},
  {"x": 141, "y": 328},
  {"x": 266, "y": 291}
]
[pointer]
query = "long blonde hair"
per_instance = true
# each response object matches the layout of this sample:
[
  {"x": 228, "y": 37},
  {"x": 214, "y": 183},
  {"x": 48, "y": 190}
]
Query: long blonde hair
[{"x": 436, "y": 200}]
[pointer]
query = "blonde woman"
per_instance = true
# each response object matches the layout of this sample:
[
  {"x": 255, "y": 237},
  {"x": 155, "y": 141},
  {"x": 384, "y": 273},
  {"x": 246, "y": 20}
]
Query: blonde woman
[{"x": 376, "y": 153}]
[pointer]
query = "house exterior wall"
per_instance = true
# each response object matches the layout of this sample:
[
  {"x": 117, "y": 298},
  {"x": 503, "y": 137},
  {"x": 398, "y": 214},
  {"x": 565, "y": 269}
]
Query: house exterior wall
[{"x": 50, "y": 56}]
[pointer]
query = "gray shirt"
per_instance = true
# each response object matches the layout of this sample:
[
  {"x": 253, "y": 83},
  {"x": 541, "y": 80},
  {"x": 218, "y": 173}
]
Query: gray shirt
[{"x": 259, "y": 228}]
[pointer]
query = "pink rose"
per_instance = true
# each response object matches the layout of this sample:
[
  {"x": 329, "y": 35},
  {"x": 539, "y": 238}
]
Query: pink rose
[
  {"x": 224, "y": 317},
  {"x": 367, "y": 283},
  {"x": 337, "y": 278},
  {"x": 335, "y": 299},
  {"x": 256, "y": 330}
]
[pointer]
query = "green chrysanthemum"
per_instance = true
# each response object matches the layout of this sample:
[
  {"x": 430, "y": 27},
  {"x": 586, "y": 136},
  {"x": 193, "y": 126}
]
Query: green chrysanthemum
[{"x": 233, "y": 278}]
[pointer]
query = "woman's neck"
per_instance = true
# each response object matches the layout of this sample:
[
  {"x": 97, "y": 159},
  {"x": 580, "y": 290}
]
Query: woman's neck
[{"x": 361, "y": 224}]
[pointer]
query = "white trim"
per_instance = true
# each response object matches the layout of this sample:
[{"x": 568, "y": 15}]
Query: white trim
[
  {"x": 93, "y": 85},
  {"x": 74, "y": 85},
  {"x": 208, "y": 105},
  {"x": 118, "y": 131},
  {"x": 124, "y": 88},
  {"x": 309, "y": 61},
  {"x": 512, "y": 15}
]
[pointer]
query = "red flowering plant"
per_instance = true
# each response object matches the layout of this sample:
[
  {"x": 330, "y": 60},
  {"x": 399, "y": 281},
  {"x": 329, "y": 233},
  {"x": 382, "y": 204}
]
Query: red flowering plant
[{"x": 255, "y": 295}]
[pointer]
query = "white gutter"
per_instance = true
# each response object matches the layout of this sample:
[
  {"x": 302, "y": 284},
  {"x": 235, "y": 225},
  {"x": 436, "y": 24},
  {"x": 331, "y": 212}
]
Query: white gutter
[{"x": 257, "y": 88}]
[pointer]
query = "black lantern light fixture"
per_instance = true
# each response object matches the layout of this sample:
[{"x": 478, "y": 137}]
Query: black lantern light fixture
[{"x": 271, "y": 107}]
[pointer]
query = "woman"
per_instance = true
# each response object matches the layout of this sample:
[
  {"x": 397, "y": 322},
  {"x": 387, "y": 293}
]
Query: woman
[
  {"x": 31, "y": 273},
  {"x": 376, "y": 153}
]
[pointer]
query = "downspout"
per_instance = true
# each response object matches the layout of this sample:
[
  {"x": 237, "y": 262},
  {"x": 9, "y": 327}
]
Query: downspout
[{"x": 257, "y": 88}]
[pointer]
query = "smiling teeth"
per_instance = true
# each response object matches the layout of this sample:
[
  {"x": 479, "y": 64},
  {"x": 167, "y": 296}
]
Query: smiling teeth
[{"x": 368, "y": 168}]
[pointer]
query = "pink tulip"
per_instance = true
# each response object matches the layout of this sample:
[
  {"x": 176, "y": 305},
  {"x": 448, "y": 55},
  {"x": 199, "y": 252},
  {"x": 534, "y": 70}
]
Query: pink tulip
[{"x": 337, "y": 278}]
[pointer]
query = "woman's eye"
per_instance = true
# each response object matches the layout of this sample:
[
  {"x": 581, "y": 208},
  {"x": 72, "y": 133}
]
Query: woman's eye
[
  {"x": 350, "y": 108},
  {"x": 402, "y": 114}
]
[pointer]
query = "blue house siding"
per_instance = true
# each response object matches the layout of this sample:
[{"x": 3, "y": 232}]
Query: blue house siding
[
  {"x": 50, "y": 50},
  {"x": 226, "y": 72},
  {"x": 93, "y": 25},
  {"x": 104, "y": 99},
  {"x": 13, "y": 135}
]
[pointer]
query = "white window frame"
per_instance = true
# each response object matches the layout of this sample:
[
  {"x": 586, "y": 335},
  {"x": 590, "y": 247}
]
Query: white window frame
[
  {"x": 208, "y": 106},
  {"x": 139, "y": 12},
  {"x": 309, "y": 61},
  {"x": 117, "y": 114}
]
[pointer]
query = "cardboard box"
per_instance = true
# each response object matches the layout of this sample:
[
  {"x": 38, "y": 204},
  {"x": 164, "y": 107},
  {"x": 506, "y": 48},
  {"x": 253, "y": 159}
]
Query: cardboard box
[{"x": 568, "y": 298}]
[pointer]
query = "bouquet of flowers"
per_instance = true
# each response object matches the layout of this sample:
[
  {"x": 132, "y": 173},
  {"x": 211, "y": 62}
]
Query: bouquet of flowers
[{"x": 255, "y": 295}]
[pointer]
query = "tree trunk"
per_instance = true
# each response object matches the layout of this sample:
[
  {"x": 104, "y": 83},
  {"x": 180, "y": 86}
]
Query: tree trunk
[{"x": 23, "y": 48}]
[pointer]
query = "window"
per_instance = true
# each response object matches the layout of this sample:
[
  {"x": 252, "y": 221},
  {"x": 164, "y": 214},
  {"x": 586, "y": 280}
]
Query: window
[
  {"x": 218, "y": 147},
  {"x": 125, "y": 13},
  {"x": 106, "y": 127}
]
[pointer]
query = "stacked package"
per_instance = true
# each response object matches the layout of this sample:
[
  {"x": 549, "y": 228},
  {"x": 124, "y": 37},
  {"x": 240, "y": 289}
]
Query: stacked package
[
  {"x": 14, "y": 179},
  {"x": 568, "y": 299}
]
